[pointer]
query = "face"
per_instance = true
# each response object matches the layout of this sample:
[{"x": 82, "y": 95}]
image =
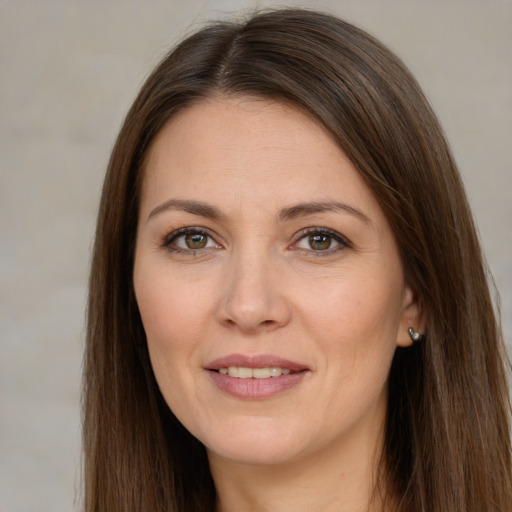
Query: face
[{"x": 269, "y": 284}]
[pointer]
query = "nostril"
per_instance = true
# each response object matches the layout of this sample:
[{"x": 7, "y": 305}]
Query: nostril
[{"x": 250, "y": 309}]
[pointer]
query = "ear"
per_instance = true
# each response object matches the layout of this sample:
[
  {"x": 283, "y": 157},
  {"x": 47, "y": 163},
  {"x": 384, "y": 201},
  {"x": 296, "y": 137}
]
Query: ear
[{"x": 412, "y": 315}]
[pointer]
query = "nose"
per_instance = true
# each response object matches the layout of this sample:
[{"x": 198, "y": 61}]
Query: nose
[{"x": 254, "y": 295}]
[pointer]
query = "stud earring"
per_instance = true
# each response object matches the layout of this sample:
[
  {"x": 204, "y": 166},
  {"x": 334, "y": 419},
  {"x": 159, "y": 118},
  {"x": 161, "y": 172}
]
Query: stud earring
[{"x": 415, "y": 336}]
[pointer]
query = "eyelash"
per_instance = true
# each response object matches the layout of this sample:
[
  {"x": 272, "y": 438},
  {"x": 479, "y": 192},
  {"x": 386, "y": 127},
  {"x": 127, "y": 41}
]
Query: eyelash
[
  {"x": 175, "y": 235},
  {"x": 343, "y": 242}
]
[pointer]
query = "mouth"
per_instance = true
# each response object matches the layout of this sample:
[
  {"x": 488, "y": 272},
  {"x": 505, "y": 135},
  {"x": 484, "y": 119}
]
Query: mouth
[
  {"x": 255, "y": 366},
  {"x": 243, "y": 372},
  {"x": 255, "y": 377}
]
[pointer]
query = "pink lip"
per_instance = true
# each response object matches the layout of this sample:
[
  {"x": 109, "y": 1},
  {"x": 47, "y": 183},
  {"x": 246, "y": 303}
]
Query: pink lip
[
  {"x": 255, "y": 389},
  {"x": 255, "y": 361}
]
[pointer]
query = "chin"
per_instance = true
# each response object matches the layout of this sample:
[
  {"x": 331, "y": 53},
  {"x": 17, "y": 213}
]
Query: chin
[
  {"x": 260, "y": 444},
  {"x": 254, "y": 453}
]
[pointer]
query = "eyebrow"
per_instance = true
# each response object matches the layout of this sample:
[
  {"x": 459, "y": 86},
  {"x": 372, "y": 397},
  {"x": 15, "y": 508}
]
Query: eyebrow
[
  {"x": 193, "y": 207},
  {"x": 304, "y": 209},
  {"x": 286, "y": 214}
]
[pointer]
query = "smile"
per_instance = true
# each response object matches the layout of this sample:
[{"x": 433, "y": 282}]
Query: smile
[
  {"x": 255, "y": 377},
  {"x": 254, "y": 373}
]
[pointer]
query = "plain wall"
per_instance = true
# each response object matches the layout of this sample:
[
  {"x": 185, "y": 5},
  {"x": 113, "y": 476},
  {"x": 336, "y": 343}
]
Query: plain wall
[{"x": 69, "y": 71}]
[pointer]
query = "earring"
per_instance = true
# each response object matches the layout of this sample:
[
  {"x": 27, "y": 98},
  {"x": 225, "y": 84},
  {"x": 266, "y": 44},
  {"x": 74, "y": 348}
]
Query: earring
[{"x": 415, "y": 336}]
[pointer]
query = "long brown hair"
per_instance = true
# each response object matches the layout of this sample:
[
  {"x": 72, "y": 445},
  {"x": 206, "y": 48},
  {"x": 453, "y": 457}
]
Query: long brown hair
[{"x": 447, "y": 441}]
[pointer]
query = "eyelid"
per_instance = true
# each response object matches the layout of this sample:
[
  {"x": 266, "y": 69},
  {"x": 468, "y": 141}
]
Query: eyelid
[
  {"x": 171, "y": 237},
  {"x": 344, "y": 242}
]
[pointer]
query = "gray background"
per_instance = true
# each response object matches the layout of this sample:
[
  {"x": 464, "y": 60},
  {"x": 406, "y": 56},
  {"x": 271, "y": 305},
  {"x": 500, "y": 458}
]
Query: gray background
[{"x": 69, "y": 70}]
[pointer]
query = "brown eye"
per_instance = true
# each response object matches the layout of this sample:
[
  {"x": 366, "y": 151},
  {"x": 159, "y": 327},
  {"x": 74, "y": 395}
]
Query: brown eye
[
  {"x": 189, "y": 239},
  {"x": 320, "y": 242},
  {"x": 196, "y": 240}
]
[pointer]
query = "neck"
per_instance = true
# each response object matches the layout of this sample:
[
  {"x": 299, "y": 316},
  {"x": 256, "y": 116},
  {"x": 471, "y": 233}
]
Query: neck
[{"x": 341, "y": 478}]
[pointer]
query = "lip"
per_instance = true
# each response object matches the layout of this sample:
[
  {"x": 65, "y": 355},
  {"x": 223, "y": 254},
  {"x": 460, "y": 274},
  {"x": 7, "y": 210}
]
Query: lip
[
  {"x": 255, "y": 389},
  {"x": 255, "y": 361}
]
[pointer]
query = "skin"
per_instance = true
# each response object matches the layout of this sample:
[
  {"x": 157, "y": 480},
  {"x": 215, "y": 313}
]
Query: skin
[{"x": 260, "y": 286}]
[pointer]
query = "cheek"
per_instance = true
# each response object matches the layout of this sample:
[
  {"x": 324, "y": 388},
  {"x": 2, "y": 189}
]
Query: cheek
[
  {"x": 173, "y": 316},
  {"x": 355, "y": 323},
  {"x": 360, "y": 307},
  {"x": 171, "y": 308}
]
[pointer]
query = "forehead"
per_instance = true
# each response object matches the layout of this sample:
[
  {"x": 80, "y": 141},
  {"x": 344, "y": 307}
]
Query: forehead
[
  {"x": 249, "y": 150},
  {"x": 239, "y": 125}
]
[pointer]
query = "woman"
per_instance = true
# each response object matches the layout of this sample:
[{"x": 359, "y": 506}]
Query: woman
[{"x": 288, "y": 305}]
